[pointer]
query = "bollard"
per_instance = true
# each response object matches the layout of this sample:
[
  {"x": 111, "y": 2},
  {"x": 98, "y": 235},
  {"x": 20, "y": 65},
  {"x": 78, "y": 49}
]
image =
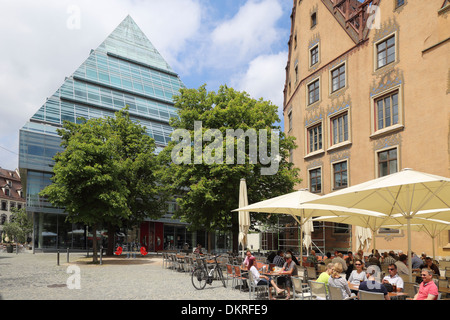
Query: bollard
[
  {"x": 101, "y": 254},
  {"x": 57, "y": 258},
  {"x": 67, "y": 255}
]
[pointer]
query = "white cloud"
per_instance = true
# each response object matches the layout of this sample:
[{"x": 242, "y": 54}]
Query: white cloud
[
  {"x": 250, "y": 32},
  {"x": 264, "y": 78}
]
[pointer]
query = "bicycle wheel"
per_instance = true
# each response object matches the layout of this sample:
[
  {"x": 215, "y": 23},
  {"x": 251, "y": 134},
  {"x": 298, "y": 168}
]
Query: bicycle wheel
[
  {"x": 199, "y": 277},
  {"x": 220, "y": 273}
]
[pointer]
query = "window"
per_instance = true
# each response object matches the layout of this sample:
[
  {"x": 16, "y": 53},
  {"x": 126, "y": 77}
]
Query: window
[
  {"x": 4, "y": 205},
  {"x": 341, "y": 228},
  {"x": 296, "y": 73},
  {"x": 386, "y": 111},
  {"x": 387, "y": 162},
  {"x": 315, "y": 138},
  {"x": 339, "y": 128},
  {"x": 338, "y": 78},
  {"x": 386, "y": 52},
  {"x": 314, "y": 55},
  {"x": 399, "y": 3},
  {"x": 290, "y": 120},
  {"x": 315, "y": 180},
  {"x": 313, "y": 92},
  {"x": 340, "y": 175},
  {"x": 313, "y": 20}
]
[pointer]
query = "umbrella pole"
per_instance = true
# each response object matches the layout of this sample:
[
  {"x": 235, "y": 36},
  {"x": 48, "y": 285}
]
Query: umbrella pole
[
  {"x": 301, "y": 242},
  {"x": 408, "y": 220}
]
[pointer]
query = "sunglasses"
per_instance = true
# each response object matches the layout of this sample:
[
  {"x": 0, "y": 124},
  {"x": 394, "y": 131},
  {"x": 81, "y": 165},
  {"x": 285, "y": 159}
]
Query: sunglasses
[
  {"x": 390, "y": 269},
  {"x": 357, "y": 264}
]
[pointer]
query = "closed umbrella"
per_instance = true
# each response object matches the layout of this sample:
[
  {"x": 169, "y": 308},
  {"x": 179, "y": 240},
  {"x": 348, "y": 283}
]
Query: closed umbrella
[
  {"x": 293, "y": 204},
  {"x": 363, "y": 237},
  {"x": 406, "y": 192},
  {"x": 244, "y": 216},
  {"x": 308, "y": 229}
]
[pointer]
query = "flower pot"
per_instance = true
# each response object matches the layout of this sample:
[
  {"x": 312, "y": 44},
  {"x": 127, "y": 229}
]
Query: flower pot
[{"x": 9, "y": 249}]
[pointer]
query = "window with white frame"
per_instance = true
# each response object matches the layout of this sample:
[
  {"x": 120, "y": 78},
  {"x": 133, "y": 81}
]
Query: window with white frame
[
  {"x": 315, "y": 180},
  {"x": 387, "y": 110},
  {"x": 313, "y": 92},
  {"x": 340, "y": 175},
  {"x": 339, "y": 128},
  {"x": 387, "y": 162},
  {"x": 385, "y": 52},
  {"x": 315, "y": 138},
  {"x": 338, "y": 78},
  {"x": 314, "y": 55}
]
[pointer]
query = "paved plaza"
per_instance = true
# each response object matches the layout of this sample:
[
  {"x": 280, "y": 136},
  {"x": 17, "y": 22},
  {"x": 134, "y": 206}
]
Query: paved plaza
[{"x": 27, "y": 276}]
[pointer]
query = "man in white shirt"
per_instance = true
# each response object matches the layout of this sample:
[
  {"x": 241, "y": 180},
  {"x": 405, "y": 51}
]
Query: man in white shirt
[{"x": 393, "y": 278}]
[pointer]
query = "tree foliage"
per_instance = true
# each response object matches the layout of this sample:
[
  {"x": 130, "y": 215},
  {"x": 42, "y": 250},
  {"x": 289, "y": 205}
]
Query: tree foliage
[
  {"x": 106, "y": 173},
  {"x": 19, "y": 226},
  {"x": 208, "y": 192}
]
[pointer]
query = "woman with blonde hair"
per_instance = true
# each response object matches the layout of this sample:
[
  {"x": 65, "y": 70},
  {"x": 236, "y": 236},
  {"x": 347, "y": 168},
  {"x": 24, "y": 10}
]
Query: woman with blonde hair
[{"x": 336, "y": 280}]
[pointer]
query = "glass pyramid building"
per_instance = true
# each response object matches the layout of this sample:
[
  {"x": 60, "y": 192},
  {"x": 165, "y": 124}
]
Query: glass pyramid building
[{"x": 126, "y": 69}]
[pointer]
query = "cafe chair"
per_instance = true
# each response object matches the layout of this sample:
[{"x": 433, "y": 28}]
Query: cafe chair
[
  {"x": 254, "y": 289},
  {"x": 367, "y": 295},
  {"x": 318, "y": 290},
  {"x": 239, "y": 276},
  {"x": 409, "y": 288},
  {"x": 230, "y": 275},
  {"x": 300, "y": 289},
  {"x": 311, "y": 273},
  {"x": 335, "y": 293}
]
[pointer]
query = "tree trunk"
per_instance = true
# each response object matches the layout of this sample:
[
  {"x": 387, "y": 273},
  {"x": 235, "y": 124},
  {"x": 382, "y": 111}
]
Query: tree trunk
[{"x": 94, "y": 244}]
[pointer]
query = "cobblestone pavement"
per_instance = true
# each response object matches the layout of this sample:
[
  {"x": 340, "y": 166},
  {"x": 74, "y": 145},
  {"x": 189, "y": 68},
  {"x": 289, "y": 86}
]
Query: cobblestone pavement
[{"x": 27, "y": 276}]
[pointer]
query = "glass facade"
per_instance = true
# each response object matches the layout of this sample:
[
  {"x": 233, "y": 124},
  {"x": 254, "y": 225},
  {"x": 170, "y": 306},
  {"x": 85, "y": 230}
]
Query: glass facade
[{"x": 125, "y": 69}]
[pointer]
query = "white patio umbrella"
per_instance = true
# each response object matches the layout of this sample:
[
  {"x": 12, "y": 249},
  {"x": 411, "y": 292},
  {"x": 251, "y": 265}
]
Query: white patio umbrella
[
  {"x": 291, "y": 204},
  {"x": 432, "y": 227},
  {"x": 244, "y": 216},
  {"x": 405, "y": 192}
]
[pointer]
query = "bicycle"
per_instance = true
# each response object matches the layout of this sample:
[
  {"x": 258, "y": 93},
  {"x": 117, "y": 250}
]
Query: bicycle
[{"x": 202, "y": 276}]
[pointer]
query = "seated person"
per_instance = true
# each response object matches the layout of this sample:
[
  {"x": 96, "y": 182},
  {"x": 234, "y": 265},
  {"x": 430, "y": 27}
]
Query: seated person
[
  {"x": 325, "y": 276},
  {"x": 431, "y": 266},
  {"x": 199, "y": 249},
  {"x": 248, "y": 255},
  {"x": 359, "y": 275},
  {"x": 335, "y": 280},
  {"x": 371, "y": 284},
  {"x": 289, "y": 269},
  {"x": 259, "y": 279},
  {"x": 393, "y": 278},
  {"x": 428, "y": 289},
  {"x": 278, "y": 260}
]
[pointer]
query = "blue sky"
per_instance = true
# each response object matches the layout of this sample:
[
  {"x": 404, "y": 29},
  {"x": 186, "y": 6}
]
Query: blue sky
[{"x": 241, "y": 43}]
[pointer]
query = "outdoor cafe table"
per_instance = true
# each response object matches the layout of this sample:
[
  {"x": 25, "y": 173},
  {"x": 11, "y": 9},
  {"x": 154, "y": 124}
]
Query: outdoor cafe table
[{"x": 355, "y": 287}]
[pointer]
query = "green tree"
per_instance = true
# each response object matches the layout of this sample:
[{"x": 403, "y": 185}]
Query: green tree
[
  {"x": 105, "y": 174},
  {"x": 19, "y": 226},
  {"x": 207, "y": 191}
]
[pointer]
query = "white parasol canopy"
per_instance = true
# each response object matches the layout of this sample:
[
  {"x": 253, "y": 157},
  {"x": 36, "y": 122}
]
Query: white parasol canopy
[
  {"x": 406, "y": 192},
  {"x": 293, "y": 204}
]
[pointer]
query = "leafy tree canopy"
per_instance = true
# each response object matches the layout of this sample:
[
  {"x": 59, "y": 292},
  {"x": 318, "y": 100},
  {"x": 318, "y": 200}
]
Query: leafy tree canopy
[{"x": 208, "y": 190}]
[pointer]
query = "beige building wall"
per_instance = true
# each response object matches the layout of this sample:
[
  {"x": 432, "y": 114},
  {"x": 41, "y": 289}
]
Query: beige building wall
[{"x": 418, "y": 78}]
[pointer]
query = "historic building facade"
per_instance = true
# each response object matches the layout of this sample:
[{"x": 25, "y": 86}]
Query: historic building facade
[
  {"x": 11, "y": 196},
  {"x": 367, "y": 94}
]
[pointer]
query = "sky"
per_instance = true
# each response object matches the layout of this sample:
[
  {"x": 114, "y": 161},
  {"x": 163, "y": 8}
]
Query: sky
[{"x": 240, "y": 43}]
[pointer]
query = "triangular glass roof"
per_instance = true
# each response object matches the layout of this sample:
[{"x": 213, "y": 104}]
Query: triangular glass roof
[{"x": 126, "y": 69}]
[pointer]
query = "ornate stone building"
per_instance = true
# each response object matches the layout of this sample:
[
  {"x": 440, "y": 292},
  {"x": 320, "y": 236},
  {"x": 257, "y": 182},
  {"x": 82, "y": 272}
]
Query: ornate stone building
[
  {"x": 367, "y": 94},
  {"x": 11, "y": 195}
]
